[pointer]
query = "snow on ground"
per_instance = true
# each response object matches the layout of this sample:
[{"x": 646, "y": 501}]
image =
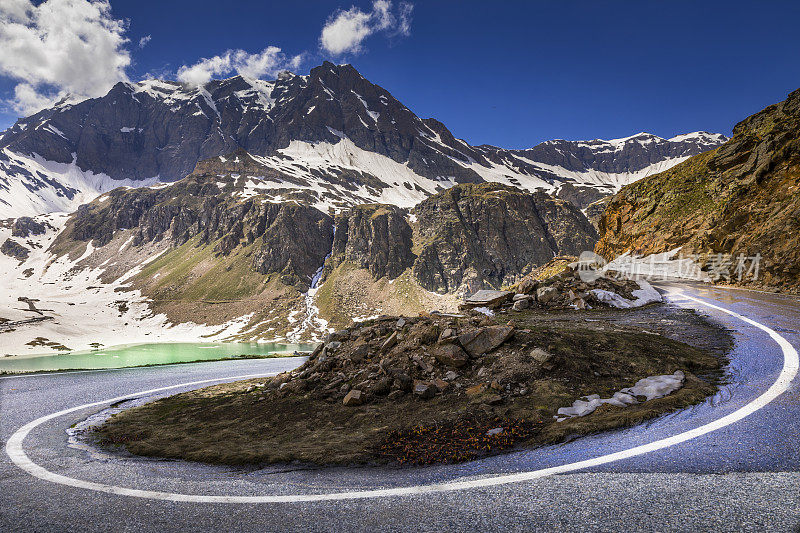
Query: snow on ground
[
  {"x": 502, "y": 174},
  {"x": 84, "y": 309},
  {"x": 35, "y": 189},
  {"x": 651, "y": 388},
  {"x": 646, "y": 294},
  {"x": 598, "y": 178}
]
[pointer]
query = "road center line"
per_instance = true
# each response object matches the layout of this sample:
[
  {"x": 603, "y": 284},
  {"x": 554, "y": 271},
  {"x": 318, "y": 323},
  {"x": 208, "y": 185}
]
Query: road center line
[{"x": 15, "y": 450}]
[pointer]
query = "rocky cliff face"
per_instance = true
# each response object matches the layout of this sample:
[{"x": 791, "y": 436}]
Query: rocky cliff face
[
  {"x": 741, "y": 198},
  {"x": 375, "y": 237},
  {"x": 286, "y": 238},
  {"x": 217, "y": 249},
  {"x": 471, "y": 237}
]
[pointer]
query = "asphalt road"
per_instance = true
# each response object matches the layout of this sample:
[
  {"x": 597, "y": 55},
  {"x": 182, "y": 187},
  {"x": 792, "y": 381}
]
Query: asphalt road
[{"x": 743, "y": 476}]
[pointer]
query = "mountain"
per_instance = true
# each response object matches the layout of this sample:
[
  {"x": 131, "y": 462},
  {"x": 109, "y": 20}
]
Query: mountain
[
  {"x": 215, "y": 257},
  {"x": 332, "y": 133},
  {"x": 741, "y": 198}
]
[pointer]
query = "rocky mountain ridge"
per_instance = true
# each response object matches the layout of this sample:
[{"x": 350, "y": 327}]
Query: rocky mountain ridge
[
  {"x": 217, "y": 254},
  {"x": 322, "y": 128}
]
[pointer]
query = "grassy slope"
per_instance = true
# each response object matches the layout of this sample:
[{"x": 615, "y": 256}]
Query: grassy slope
[
  {"x": 191, "y": 282},
  {"x": 350, "y": 292}
]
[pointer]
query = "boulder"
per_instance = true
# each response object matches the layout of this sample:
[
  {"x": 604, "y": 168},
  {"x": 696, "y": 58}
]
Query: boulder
[
  {"x": 381, "y": 387},
  {"x": 422, "y": 364},
  {"x": 317, "y": 351},
  {"x": 424, "y": 390},
  {"x": 333, "y": 346},
  {"x": 451, "y": 355},
  {"x": 404, "y": 382},
  {"x": 480, "y": 341},
  {"x": 352, "y": 398},
  {"x": 341, "y": 335},
  {"x": 389, "y": 343},
  {"x": 541, "y": 356},
  {"x": 488, "y": 298},
  {"x": 447, "y": 336},
  {"x": 527, "y": 286},
  {"x": 360, "y": 350},
  {"x": 546, "y": 294},
  {"x": 521, "y": 305}
]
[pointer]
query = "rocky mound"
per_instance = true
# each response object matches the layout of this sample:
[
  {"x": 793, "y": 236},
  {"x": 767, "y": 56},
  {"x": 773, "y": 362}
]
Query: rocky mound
[
  {"x": 422, "y": 389},
  {"x": 558, "y": 285}
]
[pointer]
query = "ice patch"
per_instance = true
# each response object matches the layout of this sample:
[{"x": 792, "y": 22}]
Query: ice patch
[
  {"x": 646, "y": 294},
  {"x": 651, "y": 388}
]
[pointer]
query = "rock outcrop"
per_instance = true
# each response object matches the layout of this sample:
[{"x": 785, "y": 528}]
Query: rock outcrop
[
  {"x": 14, "y": 249},
  {"x": 740, "y": 199},
  {"x": 286, "y": 238},
  {"x": 26, "y": 227},
  {"x": 483, "y": 236},
  {"x": 376, "y": 237}
]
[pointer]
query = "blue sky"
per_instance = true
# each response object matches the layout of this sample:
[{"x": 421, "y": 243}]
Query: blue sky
[{"x": 510, "y": 74}]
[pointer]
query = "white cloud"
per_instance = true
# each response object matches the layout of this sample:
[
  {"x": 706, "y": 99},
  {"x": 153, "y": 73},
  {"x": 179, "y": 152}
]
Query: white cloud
[
  {"x": 268, "y": 62},
  {"x": 144, "y": 40},
  {"x": 60, "y": 47},
  {"x": 345, "y": 30},
  {"x": 26, "y": 97},
  {"x": 404, "y": 19}
]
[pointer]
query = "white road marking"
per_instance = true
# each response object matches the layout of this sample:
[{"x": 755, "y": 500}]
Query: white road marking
[
  {"x": 36, "y": 374},
  {"x": 15, "y": 450}
]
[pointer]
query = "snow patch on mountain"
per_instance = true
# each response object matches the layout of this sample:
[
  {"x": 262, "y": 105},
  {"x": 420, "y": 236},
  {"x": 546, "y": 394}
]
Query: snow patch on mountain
[
  {"x": 32, "y": 185},
  {"x": 613, "y": 180},
  {"x": 308, "y": 161}
]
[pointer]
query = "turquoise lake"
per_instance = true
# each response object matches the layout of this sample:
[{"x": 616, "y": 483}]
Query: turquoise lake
[{"x": 145, "y": 354}]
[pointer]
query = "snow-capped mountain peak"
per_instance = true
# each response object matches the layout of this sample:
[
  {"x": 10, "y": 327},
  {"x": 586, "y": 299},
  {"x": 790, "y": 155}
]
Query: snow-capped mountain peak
[{"x": 330, "y": 123}]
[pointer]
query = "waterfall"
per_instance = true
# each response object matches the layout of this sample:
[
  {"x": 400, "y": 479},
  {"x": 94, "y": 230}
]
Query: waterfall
[{"x": 312, "y": 320}]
